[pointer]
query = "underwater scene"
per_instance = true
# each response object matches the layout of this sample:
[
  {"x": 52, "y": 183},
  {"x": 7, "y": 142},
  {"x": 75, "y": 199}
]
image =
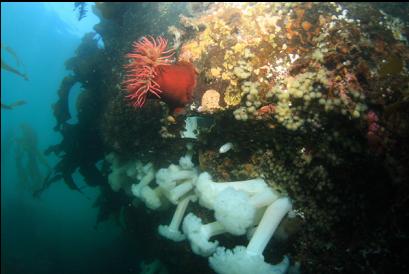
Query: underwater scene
[{"x": 209, "y": 137}]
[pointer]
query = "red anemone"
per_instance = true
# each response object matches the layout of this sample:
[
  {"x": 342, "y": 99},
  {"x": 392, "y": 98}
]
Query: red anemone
[{"x": 151, "y": 72}]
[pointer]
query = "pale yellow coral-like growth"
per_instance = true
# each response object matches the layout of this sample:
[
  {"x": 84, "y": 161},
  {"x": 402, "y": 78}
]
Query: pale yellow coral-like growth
[
  {"x": 318, "y": 55},
  {"x": 215, "y": 72},
  {"x": 232, "y": 96},
  {"x": 239, "y": 47},
  {"x": 267, "y": 23},
  {"x": 191, "y": 52}
]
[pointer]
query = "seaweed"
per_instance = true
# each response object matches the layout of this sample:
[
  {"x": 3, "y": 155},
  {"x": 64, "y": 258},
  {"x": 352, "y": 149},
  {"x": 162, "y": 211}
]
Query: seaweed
[
  {"x": 61, "y": 108},
  {"x": 109, "y": 204},
  {"x": 81, "y": 147},
  {"x": 32, "y": 166},
  {"x": 13, "y": 105},
  {"x": 82, "y": 9},
  {"x": 10, "y": 68}
]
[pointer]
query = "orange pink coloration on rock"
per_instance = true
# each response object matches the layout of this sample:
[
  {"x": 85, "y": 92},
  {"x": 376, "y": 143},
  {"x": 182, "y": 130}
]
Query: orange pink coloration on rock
[{"x": 151, "y": 72}]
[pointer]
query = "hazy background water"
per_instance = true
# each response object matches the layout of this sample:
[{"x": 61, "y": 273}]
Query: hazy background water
[{"x": 53, "y": 234}]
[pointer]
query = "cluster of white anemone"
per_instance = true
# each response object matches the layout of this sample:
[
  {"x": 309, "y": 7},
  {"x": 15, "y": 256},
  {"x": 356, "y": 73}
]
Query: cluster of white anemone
[{"x": 239, "y": 208}]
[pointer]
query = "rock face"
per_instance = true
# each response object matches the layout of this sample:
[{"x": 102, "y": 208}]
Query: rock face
[{"x": 314, "y": 97}]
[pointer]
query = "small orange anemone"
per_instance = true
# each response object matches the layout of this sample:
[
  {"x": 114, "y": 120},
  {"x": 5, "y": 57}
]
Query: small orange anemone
[{"x": 306, "y": 25}]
